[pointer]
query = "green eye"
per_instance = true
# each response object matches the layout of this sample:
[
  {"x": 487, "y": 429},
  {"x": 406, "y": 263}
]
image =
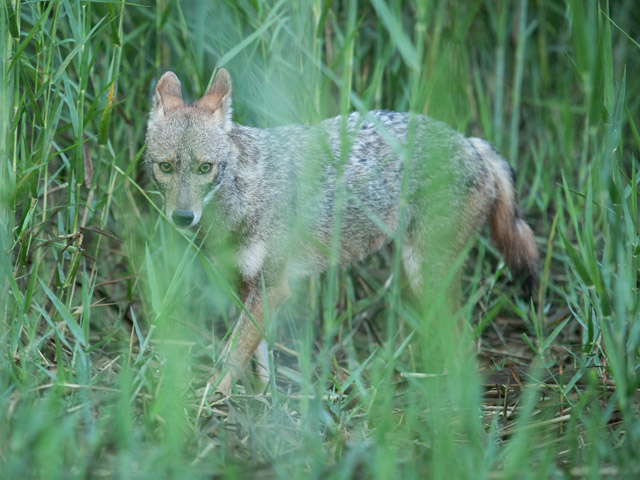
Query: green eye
[
  {"x": 204, "y": 168},
  {"x": 166, "y": 167}
]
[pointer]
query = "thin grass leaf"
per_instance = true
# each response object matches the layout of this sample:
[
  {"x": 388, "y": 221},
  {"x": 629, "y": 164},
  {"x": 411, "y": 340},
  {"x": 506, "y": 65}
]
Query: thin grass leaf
[
  {"x": 227, "y": 57},
  {"x": 48, "y": 320},
  {"x": 34, "y": 30},
  {"x": 153, "y": 282},
  {"x": 577, "y": 262},
  {"x": 105, "y": 119},
  {"x": 66, "y": 315},
  {"x": 397, "y": 34},
  {"x": 556, "y": 331}
]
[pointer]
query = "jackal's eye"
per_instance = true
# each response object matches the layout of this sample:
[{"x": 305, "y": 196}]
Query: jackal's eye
[
  {"x": 165, "y": 167},
  {"x": 205, "y": 168}
]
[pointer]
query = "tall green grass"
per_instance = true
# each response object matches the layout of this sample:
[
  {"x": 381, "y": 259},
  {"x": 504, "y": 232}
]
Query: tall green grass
[{"x": 112, "y": 320}]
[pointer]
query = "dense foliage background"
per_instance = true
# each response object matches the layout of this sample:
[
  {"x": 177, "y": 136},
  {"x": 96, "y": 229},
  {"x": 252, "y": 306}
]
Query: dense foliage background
[{"x": 111, "y": 320}]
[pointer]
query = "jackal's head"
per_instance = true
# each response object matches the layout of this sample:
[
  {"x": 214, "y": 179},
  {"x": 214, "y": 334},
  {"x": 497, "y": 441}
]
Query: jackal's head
[{"x": 188, "y": 146}]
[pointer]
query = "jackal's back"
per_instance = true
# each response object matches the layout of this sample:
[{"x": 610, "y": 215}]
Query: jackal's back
[{"x": 352, "y": 172}]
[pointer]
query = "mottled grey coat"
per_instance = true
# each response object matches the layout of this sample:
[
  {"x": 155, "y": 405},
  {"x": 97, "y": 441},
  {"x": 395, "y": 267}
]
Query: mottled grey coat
[{"x": 289, "y": 201}]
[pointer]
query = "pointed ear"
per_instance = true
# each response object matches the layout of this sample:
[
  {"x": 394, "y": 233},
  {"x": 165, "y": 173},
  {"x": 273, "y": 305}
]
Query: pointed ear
[
  {"x": 217, "y": 100},
  {"x": 168, "y": 94}
]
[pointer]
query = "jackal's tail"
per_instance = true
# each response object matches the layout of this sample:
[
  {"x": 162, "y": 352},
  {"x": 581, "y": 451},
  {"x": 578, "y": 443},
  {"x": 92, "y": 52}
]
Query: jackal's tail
[{"x": 509, "y": 232}]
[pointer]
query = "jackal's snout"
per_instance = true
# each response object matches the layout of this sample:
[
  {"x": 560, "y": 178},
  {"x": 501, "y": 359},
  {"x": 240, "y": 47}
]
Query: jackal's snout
[{"x": 183, "y": 218}]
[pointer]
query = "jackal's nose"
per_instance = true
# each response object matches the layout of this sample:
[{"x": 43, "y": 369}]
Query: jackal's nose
[{"x": 182, "y": 218}]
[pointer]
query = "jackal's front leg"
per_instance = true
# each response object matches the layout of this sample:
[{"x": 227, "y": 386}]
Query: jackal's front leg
[{"x": 246, "y": 335}]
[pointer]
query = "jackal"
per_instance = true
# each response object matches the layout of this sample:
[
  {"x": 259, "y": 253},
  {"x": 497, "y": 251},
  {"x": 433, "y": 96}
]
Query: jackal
[{"x": 292, "y": 200}]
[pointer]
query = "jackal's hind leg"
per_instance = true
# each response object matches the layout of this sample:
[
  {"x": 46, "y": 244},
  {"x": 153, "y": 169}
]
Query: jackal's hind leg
[
  {"x": 431, "y": 274},
  {"x": 434, "y": 283}
]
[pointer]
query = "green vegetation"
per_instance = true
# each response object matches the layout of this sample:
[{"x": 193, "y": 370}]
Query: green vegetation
[{"x": 110, "y": 320}]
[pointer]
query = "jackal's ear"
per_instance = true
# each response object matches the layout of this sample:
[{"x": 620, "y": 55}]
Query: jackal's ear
[
  {"x": 217, "y": 100},
  {"x": 168, "y": 94}
]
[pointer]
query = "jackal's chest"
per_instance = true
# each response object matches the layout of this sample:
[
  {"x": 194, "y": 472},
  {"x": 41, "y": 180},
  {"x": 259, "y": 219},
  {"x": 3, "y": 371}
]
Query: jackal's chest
[{"x": 251, "y": 258}]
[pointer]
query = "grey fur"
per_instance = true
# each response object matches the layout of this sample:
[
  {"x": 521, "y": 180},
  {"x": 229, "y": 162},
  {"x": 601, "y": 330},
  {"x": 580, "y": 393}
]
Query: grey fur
[{"x": 277, "y": 195}]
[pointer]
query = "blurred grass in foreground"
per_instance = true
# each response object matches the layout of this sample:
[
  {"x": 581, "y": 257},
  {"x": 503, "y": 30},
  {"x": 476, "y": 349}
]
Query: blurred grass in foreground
[{"x": 111, "y": 322}]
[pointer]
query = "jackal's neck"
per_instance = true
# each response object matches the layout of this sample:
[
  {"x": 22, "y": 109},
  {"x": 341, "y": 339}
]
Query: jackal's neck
[{"x": 244, "y": 171}]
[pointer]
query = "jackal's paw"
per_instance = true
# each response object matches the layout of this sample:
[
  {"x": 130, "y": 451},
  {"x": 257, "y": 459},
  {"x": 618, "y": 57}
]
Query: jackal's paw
[
  {"x": 263, "y": 370},
  {"x": 226, "y": 376},
  {"x": 224, "y": 382}
]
